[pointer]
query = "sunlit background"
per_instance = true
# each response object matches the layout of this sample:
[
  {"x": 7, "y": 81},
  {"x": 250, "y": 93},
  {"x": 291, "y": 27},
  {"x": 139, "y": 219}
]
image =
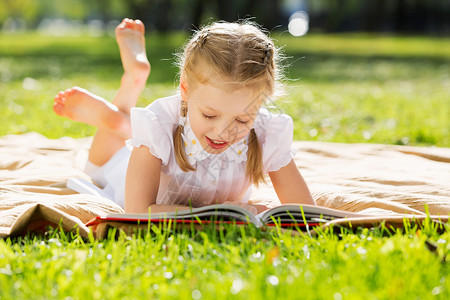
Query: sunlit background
[
  {"x": 299, "y": 17},
  {"x": 356, "y": 71}
]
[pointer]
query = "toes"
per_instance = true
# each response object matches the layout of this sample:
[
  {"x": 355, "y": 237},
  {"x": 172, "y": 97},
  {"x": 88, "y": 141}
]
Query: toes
[
  {"x": 132, "y": 24},
  {"x": 128, "y": 22},
  {"x": 62, "y": 96},
  {"x": 123, "y": 24},
  {"x": 70, "y": 91},
  {"x": 58, "y": 108},
  {"x": 138, "y": 25}
]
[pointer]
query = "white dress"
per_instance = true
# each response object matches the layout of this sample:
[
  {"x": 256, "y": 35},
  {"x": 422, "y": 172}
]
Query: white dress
[{"x": 218, "y": 177}]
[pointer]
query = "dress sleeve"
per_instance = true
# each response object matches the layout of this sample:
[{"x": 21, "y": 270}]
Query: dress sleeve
[
  {"x": 275, "y": 133},
  {"x": 148, "y": 130}
]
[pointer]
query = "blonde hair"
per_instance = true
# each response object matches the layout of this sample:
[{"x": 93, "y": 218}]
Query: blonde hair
[{"x": 246, "y": 57}]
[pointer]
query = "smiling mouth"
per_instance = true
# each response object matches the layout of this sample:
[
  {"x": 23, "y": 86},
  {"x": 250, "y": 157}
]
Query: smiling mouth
[{"x": 216, "y": 144}]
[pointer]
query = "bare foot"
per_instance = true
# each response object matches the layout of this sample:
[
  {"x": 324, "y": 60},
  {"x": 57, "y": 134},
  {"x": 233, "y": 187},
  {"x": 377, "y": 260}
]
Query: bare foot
[
  {"x": 80, "y": 105},
  {"x": 131, "y": 41}
]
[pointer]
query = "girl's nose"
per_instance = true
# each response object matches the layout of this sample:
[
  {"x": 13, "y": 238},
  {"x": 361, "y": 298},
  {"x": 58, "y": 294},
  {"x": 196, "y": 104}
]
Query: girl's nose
[{"x": 222, "y": 130}]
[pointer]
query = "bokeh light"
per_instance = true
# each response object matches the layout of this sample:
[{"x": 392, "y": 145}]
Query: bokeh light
[{"x": 298, "y": 23}]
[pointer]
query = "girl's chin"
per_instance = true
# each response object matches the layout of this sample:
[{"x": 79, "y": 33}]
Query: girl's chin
[{"x": 214, "y": 151}]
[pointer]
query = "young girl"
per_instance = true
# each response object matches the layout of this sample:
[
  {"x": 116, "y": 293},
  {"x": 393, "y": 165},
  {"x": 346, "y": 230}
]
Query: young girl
[{"x": 206, "y": 145}]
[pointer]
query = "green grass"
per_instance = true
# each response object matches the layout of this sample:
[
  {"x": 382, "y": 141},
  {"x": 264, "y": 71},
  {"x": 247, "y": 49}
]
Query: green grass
[
  {"x": 341, "y": 88},
  {"x": 236, "y": 262}
]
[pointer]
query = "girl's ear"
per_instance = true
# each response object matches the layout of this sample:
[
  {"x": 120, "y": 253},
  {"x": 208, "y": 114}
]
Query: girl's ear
[{"x": 183, "y": 88}]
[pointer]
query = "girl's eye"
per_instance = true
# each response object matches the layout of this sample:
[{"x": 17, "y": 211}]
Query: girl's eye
[
  {"x": 208, "y": 117},
  {"x": 242, "y": 122}
]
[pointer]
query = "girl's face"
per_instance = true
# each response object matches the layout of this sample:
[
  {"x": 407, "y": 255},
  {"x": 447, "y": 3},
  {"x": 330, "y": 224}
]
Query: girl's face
[{"x": 219, "y": 117}]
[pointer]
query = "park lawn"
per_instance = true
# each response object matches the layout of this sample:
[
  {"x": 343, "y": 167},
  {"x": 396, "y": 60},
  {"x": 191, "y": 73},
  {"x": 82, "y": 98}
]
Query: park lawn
[
  {"x": 341, "y": 88},
  {"x": 232, "y": 262}
]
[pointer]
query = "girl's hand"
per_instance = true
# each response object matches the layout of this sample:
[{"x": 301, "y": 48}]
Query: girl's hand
[
  {"x": 290, "y": 185},
  {"x": 254, "y": 209},
  {"x": 260, "y": 207},
  {"x": 161, "y": 208}
]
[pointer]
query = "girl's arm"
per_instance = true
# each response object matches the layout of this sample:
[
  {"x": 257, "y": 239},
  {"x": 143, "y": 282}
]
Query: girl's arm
[
  {"x": 142, "y": 183},
  {"x": 290, "y": 185}
]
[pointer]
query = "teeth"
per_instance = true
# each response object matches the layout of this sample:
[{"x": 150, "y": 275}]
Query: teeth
[{"x": 217, "y": 143}]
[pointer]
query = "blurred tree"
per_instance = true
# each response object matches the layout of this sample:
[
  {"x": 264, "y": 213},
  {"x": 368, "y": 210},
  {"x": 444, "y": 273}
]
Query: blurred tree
[
  {"x": 163, "y": 18},
  {"x": 265, "y": 12},
  {"x": 156, "y": 14},
  {"x": 335, "y": 15},
  {"x": 71, "y": 9},
  {"x": 375, "y": 14},
  {"x": 422, "y": 16},
  {"x": 27, "y": 10},
  {"x": 140, "y": 9},
  {"x": 107, "y": 10},
  {"x": 418, "y": 16}
]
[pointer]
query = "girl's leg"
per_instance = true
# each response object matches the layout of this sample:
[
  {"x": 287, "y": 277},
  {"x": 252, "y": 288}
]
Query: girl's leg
[
  {"x": 112, "y": 119},
  {"x": 131, "y": 41}
]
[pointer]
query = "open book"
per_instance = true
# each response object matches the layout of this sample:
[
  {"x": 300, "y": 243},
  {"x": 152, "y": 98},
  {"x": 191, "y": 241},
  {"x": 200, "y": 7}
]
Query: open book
[{"x": 291, "y": 215}]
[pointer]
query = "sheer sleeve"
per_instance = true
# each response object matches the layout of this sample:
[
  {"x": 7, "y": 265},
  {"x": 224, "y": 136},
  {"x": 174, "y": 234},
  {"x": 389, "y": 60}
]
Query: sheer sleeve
[
  {"x": 275, "y": 133},
  {"x": 148, "y": 130}
]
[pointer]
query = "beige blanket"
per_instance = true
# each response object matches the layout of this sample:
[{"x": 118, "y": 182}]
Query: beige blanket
[{"x": 373, "y": 179}]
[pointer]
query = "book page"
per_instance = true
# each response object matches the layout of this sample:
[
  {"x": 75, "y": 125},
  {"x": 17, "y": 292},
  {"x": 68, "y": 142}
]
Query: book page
[
  {"x": 205, "y": 212},
  {"x": 310, "y": 212}
]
